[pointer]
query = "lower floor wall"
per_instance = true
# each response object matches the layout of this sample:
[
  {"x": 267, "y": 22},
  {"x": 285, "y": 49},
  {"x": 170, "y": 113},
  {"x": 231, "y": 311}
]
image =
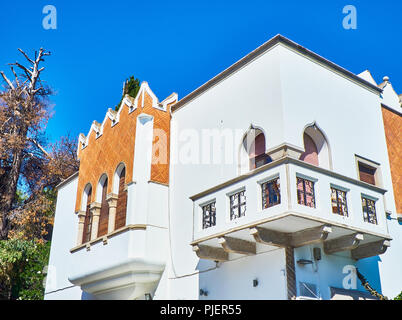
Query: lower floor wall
[
  {"x": 390, "y": 263},
  {"x": 256, "y": 277},
  {"x": 319, "y": 275},
  {"x": 261, "y": 277}
]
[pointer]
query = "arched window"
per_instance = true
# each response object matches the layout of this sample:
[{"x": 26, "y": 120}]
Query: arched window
[
  {"x": 86, "y": 235},
  {"x": 257, "y": 154},
  {"x": 310, "y": 154},
  {"x": 122, "y": 198},
  {"x": 104, "y": 211},
  {"x": 316, "y": 148},
  {"x": 252, "y": 151}
]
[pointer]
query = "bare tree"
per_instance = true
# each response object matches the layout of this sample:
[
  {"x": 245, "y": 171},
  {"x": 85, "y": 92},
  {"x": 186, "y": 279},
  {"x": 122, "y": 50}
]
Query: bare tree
[{"x": 23, "y": 115}]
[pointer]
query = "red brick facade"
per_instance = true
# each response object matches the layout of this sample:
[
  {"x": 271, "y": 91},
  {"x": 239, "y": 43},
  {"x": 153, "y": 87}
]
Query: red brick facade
[
  {"x": 393, "y": 133},
  {"x": 104, "y": 153}
]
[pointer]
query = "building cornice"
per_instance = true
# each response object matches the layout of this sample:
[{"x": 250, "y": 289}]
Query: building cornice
[
  {"x": 281, "y": 161},
  {"x": 391, "y": 109}
]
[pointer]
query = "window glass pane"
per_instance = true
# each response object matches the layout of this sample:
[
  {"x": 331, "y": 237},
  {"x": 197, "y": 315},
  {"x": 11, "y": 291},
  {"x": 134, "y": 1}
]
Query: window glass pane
[
  {"x": 270, "y": 193},
  {"x": 305, "y": 192},
  {"x": 338, "y": 201},
  {"x": 237, "y": 205},
  {"x": 367, "y": 173},
  {"x": 208, "y": 215},
  {"x": 369, "y": 212}
]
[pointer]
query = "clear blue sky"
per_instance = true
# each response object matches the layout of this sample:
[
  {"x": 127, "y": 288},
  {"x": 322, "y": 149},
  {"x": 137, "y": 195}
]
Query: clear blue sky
[{"x": 179, "y": 45}]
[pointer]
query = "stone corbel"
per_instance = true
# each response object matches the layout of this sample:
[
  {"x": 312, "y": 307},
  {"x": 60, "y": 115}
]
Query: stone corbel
[
  {"x": 310, "y": 236},
  {"x": 210, "y": 253},
  {"x": 370, "y": 249},
  {"x": 344, "y": 243},
  {"x": 270, "y": 237},
  {"x": 237, "y": 245}
]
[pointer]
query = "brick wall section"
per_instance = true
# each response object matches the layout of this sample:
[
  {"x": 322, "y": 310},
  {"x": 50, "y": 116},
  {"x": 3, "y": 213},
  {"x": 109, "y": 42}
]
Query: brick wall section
[
  {"x": 116, "y": 145},
  {"x": 393, "y": 134}
]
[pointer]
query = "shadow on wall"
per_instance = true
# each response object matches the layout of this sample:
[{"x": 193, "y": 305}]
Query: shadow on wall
[{"x": 369, "y": 267}]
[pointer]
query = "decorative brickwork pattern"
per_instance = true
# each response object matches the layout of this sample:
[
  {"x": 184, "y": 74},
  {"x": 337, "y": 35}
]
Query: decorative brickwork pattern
[{"x": 393, "y": 134}]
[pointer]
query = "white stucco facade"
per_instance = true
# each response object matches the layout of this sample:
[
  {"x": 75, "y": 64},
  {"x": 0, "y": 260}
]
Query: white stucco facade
[{"x": 281, "y": 89}]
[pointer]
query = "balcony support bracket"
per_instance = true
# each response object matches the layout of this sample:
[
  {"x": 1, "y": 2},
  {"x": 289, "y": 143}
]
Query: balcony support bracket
[
  {"x": 344, "y": 243},
  {"x": 235, "y": 245},
  {"x": 210, "y": 253},
  {"x": 309, "y": 236},
  {"x": 370, "y": 249},
  {"x": 270, "y": 237}
]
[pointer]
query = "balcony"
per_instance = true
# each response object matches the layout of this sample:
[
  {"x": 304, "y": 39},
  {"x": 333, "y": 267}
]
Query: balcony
[
  {"x": 126, "y": 263},
  {"x": 289, "y": 203}
]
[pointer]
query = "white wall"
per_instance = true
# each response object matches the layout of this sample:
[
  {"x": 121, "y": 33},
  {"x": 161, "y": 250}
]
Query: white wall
[
  {"x": 390, "y": 264},
  {"x": 234, "y": 279},
  {"x": 281, "y": 92},
  {"x": 63, "y": 239},
  {"x": 244, "y": 98}
]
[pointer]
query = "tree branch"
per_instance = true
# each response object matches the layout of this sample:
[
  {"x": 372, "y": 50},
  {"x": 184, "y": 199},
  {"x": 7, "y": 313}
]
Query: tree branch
[
  {"x": 16, "y": 77},
  {"x": 36, "y": 143},
  {"x": 6, "y": 80},
  {"x": 26, "y": 56}
]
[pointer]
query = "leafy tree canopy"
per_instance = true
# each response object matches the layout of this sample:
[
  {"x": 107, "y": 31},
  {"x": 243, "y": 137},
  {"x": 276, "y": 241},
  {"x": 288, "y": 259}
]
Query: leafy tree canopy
[
  {"x": 22, "y": 265},
  {"x": 131, "y": 87}
]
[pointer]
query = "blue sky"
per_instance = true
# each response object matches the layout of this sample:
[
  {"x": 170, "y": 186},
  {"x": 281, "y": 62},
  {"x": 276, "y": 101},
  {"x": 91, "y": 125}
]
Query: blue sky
[{"x": 178, "y": 45}]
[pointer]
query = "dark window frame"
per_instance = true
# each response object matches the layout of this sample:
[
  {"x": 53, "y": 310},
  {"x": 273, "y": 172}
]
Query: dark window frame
[
  {"x": 304, "y": 193},
  {"x": 339, "y": 202},
  {"x": 369, "y": 215},
  {"x": 270, "y": 193},
  {"x": 367, "y": 173},
  {"x": 209, "y": 215},
  {"x": 236, "y": 209}
]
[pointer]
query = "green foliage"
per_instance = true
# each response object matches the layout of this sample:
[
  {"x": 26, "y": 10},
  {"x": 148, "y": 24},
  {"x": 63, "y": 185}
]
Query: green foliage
[
  {"x": 131, "y": 87},
  {"x": 21, "y": 269},
  {"x": 398, "y": 297},
  {"x": 20, "y": 197}
]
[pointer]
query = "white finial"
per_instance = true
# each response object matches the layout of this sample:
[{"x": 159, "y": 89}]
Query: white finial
[{"x": 386, "y": 78}]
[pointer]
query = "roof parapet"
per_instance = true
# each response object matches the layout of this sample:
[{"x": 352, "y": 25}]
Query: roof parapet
[{"x": 132, "y": 104}]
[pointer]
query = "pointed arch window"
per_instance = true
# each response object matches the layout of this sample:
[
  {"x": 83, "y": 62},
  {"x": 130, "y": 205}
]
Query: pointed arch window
[
  {"x": 310, "y": 154},
  {"x": 257, "y": 155},
  {"x": 121, "y": 201},
  {"x": 316, "y": 148},
  {"x": 86, "y": 235},
  {"x": 252, "y": 152},
  {"x": 104, "y": 212}
]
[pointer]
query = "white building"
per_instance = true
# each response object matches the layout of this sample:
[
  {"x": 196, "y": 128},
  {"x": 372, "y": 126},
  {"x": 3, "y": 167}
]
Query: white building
[{"x": 270, "y": 181}]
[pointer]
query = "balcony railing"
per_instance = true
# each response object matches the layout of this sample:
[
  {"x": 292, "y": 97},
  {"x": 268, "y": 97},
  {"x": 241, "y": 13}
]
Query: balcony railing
[{"x": 289, "y": 202}]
